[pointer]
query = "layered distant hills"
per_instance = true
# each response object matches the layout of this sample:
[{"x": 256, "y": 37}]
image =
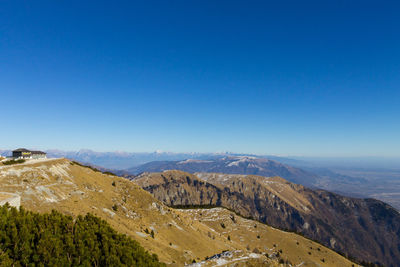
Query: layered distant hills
[
  {"x": 369, "y": 177},
  {"x": 383, "y": 184},
  {"x": 232, "y": 165},
  {"x": 120, "y": 160}
]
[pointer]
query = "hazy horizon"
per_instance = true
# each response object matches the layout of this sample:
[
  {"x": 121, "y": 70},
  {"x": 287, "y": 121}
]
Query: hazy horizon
[{"x": 292, "y": 156}]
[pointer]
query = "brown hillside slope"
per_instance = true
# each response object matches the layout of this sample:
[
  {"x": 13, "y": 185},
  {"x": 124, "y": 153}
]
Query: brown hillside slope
[
  {"x": 364, "y": 228},
  {"x": 73, "y": 189},
  {"x": 257, "y": 237}
]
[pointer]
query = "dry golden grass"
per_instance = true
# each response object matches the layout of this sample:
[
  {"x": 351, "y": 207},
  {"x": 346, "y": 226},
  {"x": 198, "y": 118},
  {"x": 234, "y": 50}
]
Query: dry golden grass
[
  {"x": 288, "y": 192},
  {"x": 178, "y": 238},
  {"x": 260, "y": 238}
]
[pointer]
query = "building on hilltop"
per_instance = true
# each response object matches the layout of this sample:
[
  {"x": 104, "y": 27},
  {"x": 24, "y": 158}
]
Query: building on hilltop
[{"x": 22, "y": 153}]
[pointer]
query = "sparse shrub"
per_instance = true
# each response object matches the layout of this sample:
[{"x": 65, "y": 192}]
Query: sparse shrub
[
  {"x": 229, "y": 238},
  {"x": 152, "y": 233},
  {"x": 114, "y": 184},
  {"x": 115, "y": 207},
  {"x": 110, "y": 173},
  {"x": 92, "y": 168},
  {"x": 223, "y": 225},
  {"x": 258, "y": 236},
  {"x": 281, "y": 261},
  {"x": 13, "y": 161}
]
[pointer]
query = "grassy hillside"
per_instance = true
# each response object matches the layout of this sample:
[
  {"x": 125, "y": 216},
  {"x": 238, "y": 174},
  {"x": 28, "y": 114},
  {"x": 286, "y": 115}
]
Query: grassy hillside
[
  {"x": 367, "y": 229},
  {"x": 259, "y": 238},
  {"x": 171, "y": 234}
]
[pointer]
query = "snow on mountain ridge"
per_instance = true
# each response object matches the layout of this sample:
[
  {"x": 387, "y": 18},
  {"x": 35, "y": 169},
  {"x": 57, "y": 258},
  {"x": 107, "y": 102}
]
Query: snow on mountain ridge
[{"x": 194, "y": 161}]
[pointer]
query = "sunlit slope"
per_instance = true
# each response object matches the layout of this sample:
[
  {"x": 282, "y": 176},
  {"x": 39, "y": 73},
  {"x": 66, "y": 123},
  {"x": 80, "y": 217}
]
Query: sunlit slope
[
  {"x": 72, "y": 189},
  {"x": 257, "y": 237},
  {"x": 367, "y": 229},
  {"x": 174, "y": 235}
]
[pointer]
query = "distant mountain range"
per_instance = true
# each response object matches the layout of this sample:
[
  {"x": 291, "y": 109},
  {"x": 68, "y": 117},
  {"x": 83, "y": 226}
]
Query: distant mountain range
[
  {"x": 120, "y": 160},
  {"x": 357, "y": 181},
  {"x": 233, "y": 165},
  {"x": 380, "y": 184}
]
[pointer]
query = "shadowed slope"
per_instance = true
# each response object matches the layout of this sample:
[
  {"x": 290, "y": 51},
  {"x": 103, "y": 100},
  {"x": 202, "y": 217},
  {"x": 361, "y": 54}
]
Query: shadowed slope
[{"x": 365, "y": 228}]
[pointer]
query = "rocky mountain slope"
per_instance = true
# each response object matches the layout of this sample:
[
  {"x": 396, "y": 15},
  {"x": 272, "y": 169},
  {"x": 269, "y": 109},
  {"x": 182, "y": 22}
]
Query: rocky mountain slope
[
  {"x": 172, "y": 234},
  {"x": 367, "y": 229},
  {"x": 285, "y": 246},
  {"x": 232, "y": 165}
]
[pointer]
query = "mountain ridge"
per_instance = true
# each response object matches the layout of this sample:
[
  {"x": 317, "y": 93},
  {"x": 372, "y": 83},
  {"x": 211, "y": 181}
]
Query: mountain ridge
[
  {"x": 233, "y": 165},
  {"x": 172, "y": 234},
  {"x": 367, "y": 229}
]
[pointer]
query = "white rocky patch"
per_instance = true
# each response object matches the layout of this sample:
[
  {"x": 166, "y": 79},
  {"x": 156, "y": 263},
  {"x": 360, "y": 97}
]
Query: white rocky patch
[
  {"x": 332, "y": 242},
  {"x": 158, "y": 207},
  {"x": 176, "y": 225},
  {"x": 109, "y": 212},
  {"x": 46, "y": 193},
  {"x": 194, "y": 161},
  {"x": 225, "y": 258},
  {"x": 141, "y": 234},
  {"x": 59, "y": 169},
  {"x": 15, "y": 172}
]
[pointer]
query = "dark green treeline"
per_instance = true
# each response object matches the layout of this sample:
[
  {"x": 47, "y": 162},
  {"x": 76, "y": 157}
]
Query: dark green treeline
[{"x": 32, "y": 239}]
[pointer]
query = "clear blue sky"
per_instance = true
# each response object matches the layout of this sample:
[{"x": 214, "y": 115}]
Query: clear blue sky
[{"x": 316, "y": 78}]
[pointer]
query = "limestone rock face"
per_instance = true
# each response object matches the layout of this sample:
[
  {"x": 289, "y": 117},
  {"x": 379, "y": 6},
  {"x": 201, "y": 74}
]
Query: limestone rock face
[{"x": 13, "y": 200}]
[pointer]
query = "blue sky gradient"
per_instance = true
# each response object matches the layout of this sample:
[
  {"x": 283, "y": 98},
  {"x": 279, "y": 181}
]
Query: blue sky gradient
[{"x": 315, "y": 78}]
